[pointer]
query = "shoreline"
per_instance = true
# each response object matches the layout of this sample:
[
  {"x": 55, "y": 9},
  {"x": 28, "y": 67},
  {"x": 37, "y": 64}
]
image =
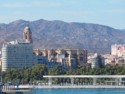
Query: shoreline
[{"x": 70, "y": 86}]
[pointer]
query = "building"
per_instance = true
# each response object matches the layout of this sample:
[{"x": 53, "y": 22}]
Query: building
[
  {"x": 96, "y": 61},
  {"x": 66, "y": 57},
  {"x": 118, "y": 50},
  {"x": 42, "y": 58},
  {"x": 120, "y": 61},
  {"x": 18, "y": 54}
]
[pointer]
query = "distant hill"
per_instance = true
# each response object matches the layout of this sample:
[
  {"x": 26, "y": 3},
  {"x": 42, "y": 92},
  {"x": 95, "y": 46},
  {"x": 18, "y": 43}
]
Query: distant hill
[{"x": 59, "y": 34}]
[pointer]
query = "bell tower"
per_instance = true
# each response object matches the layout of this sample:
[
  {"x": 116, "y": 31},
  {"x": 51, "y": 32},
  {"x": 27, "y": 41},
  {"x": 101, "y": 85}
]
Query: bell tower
[{"x": 27, "y": 35}]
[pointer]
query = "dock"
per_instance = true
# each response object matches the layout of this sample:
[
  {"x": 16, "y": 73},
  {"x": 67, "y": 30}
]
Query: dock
[
  {"x": 15, "y": 91},
  {"x": 81, "y": 87},
  {"x": 70, "y": 81},
  {"x": 78, "y": 81},
  {"x": 11, "y": 89}
]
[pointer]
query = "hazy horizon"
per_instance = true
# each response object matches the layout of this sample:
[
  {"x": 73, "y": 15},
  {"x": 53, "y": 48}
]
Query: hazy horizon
[{"x": 107, "y": 12}]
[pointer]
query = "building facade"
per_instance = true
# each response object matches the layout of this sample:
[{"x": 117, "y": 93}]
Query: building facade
[
  {"x": 96, "y": 61},
  {"x": 18, "y": 54},
  {"x": 118, "y": 50},
  {"x": 66, "y": 57}
]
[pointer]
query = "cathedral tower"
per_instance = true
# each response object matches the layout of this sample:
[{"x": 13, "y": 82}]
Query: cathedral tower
[{"x": 27, "y": 35}]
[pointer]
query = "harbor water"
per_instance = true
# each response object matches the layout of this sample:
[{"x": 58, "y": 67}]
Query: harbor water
[{"x": 78, "y": 91}]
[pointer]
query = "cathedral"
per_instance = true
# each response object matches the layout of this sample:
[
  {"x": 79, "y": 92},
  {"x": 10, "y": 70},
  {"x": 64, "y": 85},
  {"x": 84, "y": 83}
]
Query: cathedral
[
  {"x": 27, "y": 35},
  {"x": 18, "y": 53}
]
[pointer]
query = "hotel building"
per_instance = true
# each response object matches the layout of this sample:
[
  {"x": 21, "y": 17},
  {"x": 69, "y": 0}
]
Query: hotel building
[{"x": 18, "y": 54}]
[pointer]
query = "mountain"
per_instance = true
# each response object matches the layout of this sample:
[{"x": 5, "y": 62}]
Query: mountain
[{"x": 59, "y": 34}]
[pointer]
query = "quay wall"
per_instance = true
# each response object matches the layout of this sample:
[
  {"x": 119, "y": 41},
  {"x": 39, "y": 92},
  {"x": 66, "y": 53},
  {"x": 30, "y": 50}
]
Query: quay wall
[{"x": 70, "y": 86}]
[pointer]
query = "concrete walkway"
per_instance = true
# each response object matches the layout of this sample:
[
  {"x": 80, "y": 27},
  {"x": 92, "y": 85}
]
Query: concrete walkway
[{"x": 69, "y": 86}]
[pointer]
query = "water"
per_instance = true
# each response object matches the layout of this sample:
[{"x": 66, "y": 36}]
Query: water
[{"x": 79, "y": 91}]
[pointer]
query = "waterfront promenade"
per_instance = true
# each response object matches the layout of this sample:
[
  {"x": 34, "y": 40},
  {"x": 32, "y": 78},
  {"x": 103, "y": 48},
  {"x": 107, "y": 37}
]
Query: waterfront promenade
[
  {"x": 68, "y": 86},
  {"x": 109, "y": 81},
  {"x": 12, "y": 89},
  {"x": 15, "y": 91},
  {"x": 75, "y": 81}
]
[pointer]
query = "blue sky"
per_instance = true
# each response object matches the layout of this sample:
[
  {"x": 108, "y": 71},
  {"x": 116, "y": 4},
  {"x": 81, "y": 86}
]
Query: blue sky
[{"x": 105, "y": 12}]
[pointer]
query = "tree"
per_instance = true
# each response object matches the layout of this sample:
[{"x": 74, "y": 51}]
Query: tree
[
  {"x": 38, "y": 71},
  {"x": 55, "y": 71}
]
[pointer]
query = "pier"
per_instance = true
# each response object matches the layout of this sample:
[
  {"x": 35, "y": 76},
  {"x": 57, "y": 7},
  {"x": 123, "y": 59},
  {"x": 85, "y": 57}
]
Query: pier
[
  {"x": 83, "y": 81},
  {"x": 15, "y": 91},
  {"x": 12, "y": 89},
  {"x": 71, "y": 81}
]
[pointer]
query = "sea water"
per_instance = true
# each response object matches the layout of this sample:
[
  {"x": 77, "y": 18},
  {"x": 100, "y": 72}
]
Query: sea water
[{"x": 78, "y": 91}]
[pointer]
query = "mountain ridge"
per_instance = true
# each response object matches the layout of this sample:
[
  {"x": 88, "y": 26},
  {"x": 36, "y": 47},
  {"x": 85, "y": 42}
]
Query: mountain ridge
[{"x": 60, "y": 34}]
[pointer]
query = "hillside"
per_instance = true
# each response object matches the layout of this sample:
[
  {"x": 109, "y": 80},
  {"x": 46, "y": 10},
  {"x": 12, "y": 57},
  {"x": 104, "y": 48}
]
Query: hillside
[{"x": 59, "y": 34}]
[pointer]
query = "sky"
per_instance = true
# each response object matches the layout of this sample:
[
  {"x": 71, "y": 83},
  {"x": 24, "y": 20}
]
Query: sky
[{"x": 104, "y": 12}]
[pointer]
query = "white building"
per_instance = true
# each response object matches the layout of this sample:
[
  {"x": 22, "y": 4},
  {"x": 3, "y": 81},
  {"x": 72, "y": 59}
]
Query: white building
[
  {"x": 118, "y": 50},
  {"x": 96, "y": 61},
  {"x": 18, "y": 54}
]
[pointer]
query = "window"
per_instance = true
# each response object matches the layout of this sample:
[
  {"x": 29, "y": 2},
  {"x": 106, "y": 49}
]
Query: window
[{"x": 81, "y": 58}]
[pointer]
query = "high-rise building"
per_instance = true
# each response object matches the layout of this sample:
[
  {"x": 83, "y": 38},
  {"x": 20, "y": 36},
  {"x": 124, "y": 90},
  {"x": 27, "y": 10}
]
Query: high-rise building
[{"x": 18, "y": 54}]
